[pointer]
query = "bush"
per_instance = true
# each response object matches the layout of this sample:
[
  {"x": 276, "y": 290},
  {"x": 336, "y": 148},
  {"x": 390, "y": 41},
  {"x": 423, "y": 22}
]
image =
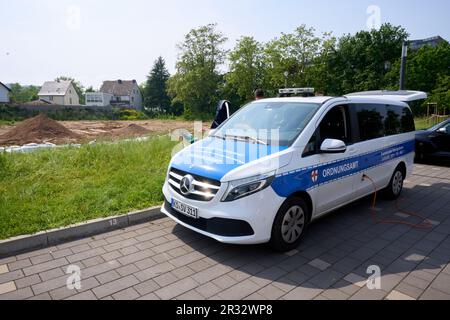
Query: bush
[
  {"x": 131, "y": 114},
  {"x": 11, "y": 113}
]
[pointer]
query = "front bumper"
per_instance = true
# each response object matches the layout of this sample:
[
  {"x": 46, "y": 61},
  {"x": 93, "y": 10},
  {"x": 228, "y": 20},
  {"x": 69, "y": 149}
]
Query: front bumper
[
  {"x": 218, "y": 226},
  {"x": 244, "y": 221}
]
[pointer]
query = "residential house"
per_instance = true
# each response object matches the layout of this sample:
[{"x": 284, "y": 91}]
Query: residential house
[
  {"x": 125, "y": 93},
  {"x": 98, "y": 99},
  {"x": 4, "y": 93},
  {"x": 59, "y": 92}
]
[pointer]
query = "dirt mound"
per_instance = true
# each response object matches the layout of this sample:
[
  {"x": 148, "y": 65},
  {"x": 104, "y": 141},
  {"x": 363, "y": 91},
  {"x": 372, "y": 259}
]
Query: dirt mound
[
  {"x": 36, "y": 130},
  {"x": 133, "y": 130}
]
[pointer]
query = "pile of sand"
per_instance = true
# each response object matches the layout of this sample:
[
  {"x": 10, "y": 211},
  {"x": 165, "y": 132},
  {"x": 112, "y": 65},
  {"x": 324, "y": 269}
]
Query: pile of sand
[
  {"x": 133, "y": 130},
  {"x": 37, "y": 130}
]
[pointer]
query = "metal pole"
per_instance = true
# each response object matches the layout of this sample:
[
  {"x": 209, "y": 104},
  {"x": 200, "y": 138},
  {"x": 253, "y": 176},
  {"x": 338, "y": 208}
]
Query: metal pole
[
  {"x": 286, "y": 75},
  {"x": 403, "y": 65}
]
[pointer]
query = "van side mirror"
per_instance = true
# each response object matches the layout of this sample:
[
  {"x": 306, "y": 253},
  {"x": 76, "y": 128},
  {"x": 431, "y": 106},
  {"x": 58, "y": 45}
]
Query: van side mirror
[{"x": 333, "y": 146}]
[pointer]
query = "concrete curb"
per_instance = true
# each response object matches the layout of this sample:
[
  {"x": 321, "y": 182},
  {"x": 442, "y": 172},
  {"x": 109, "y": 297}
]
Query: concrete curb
[{"x": 21, "y": 244}]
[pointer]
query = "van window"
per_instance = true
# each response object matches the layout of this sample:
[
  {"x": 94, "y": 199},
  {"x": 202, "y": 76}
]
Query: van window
[
  {"x": 393, "y": 120},
  {"x": 371, "y": 121},
  {"x": 311, "y": 147},
  {"x": 336, "y": 125},
  {"x": 398, "y": 120},
  {"x": 407, "y": 121}
]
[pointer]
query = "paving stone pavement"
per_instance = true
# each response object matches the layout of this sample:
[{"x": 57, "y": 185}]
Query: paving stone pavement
[{"x": 161, "y": 260}]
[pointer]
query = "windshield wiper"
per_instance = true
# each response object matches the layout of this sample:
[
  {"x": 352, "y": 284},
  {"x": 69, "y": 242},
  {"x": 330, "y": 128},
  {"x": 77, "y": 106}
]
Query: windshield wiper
[
  {"x": 245, "y": 138},
  {"x": 217, "y": 136}
]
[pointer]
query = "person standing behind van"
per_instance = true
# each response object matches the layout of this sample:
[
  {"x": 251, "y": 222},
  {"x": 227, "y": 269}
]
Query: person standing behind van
[{"x": 259, "y": 94}]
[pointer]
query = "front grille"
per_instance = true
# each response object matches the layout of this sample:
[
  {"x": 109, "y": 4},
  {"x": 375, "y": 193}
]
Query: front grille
[
  {"x": 218, "y": 226},
  {"x": 205, "y": 189}
]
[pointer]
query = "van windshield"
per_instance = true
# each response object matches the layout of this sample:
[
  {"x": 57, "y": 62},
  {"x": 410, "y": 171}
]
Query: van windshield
[{"x": 272, "y": 123}]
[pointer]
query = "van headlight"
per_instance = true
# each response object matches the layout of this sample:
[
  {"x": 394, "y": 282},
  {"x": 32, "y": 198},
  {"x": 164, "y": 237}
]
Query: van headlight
[{"x": 244, "y": 187}]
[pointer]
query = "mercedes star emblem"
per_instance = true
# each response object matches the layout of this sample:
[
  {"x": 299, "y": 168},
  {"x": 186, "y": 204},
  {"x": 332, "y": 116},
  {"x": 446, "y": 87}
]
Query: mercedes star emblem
[{"x": 186, "y": 185}]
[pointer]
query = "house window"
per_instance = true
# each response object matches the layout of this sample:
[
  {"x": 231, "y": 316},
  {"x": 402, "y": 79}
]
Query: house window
[
  {"x": 50, "y": 98},
  {"x": 94, "y": 99},
  {"x": 70, "y": 100}
]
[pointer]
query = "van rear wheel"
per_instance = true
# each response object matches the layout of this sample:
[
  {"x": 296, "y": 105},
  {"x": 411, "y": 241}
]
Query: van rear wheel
[
  {"x": 395, "y": 187},
  {"x": 290, "y": 225}
]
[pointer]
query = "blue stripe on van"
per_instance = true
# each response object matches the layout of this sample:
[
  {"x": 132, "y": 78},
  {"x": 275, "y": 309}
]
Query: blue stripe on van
[{"x": 312, "y": 177}]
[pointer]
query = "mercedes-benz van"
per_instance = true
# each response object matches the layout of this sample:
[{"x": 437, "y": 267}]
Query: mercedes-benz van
[{"x": 277, "y": 164}]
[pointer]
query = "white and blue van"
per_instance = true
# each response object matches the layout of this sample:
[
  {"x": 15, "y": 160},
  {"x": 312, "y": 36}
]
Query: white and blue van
[{"x": 277, "y": 164}]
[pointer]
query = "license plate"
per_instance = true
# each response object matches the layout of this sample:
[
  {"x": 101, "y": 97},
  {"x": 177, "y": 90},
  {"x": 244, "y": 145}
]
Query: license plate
[{"x": 185, "y": 209}]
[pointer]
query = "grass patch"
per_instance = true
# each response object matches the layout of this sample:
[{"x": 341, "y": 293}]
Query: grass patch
[
  {"x": 54, "y": 188},
  {"x": 7, "y": 122},
  {"x": 422, "y": 123}
]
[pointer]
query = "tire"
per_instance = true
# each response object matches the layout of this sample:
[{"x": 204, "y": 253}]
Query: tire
[
  {"x": 395, "y": 187},
  {"x": 420, "y": 155},
  {"x": 290, "y": 225}
]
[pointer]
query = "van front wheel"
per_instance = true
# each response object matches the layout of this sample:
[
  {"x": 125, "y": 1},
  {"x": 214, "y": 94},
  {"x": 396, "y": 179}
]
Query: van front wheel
[{"x": 289, "y": 225}]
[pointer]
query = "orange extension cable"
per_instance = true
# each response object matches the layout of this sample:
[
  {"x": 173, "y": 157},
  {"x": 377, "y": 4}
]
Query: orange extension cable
[{"x": 425, "y": 224}]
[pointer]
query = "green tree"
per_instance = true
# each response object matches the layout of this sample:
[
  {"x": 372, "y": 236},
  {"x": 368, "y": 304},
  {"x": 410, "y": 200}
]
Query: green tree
[
  {"x": 155, "y": 90},
  {"x": 318, "y": 75},
  {"x": 228, "y": 92},
  {"x": 23, "y": 94},
  {"x": 77, "y": 85},
  {"x": 246, "y": 68},
  {"x": 441, "y": 94},
  {"x": 424, "y": 68},
  {"x": 361, "y": 61},
  {"x": 197, "y": 77},
  {"x": 293, "y": 54}
]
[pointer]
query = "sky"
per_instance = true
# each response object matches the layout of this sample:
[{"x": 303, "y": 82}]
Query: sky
[{"x": 96, "y": 40}]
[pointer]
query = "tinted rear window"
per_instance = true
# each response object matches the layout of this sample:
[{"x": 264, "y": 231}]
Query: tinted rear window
[
  {"x": 377, "y": 120},
  {"x": 370, "y": 119},
  {"x": 407, "y": 121},
  {"x": 393, "y": 120}
]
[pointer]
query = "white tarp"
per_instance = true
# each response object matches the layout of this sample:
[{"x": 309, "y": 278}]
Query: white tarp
[
  {"x": 33, "y": 147},
  {"x": 36, "y": 146}
]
